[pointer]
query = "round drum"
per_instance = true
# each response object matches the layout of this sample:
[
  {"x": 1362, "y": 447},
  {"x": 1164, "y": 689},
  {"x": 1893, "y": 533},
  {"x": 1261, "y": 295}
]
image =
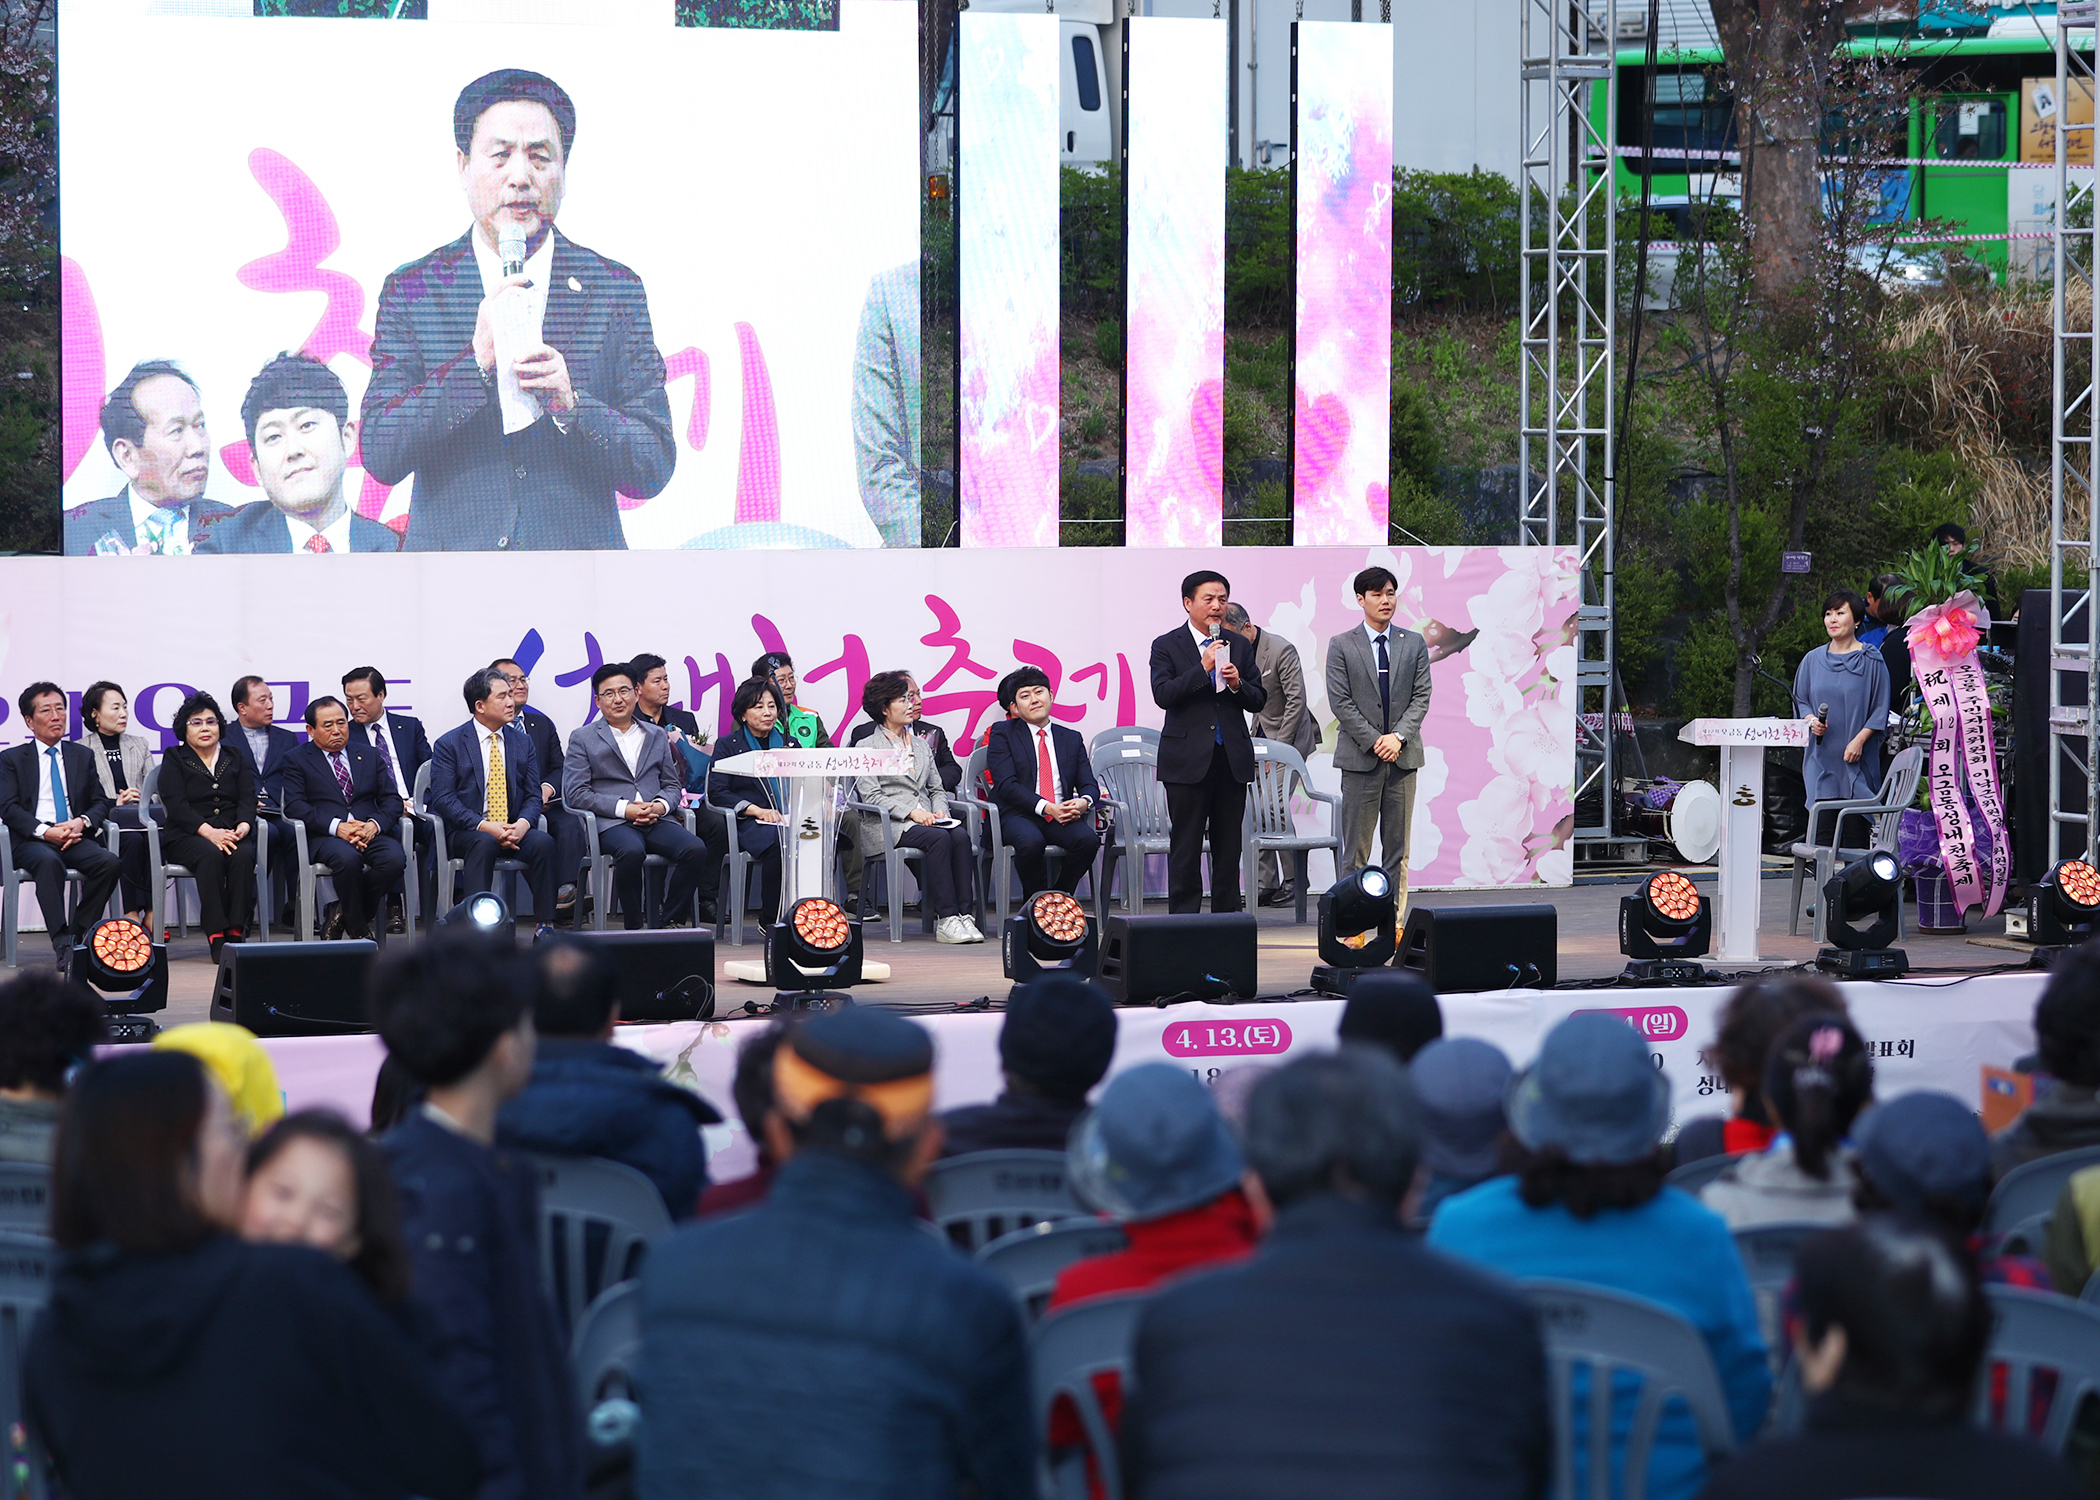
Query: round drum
[{"x": 1692, "y": 822}]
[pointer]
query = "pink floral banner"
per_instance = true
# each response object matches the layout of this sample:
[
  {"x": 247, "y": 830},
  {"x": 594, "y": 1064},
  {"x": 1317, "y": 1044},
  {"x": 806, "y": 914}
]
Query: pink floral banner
[{"x": 1943, "y": 640}]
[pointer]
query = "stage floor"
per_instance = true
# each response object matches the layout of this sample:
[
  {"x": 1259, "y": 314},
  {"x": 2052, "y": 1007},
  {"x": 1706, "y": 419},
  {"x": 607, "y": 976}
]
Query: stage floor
[{"x": 925, "y": 973}]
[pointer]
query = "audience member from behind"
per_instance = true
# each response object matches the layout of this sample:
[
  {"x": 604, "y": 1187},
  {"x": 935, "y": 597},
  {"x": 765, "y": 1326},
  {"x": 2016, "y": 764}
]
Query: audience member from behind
[
  {"x": 2066, "y": 1114},
  {"x": 1817, "y": 1080},
  {"x": 456, "y": 1009},
  {"x": 1588, "y": 1204},
  {"x": 1889, "y": 1336},
  {"x": 48, "y": 1028},
  {"x": 1054, "y": 1045},
  {"x": 1155, "y": 1155},
  {"x": 1460, "y": 1083},
  {"x": 1344, "y": 1359},
  {"x": 175, "y": 1359},
  {"x": 589, "y": 1097},
  {"x": 752, "y": 1089},
  {"x": 313, "y": 1180},
  {"x": 1925, "y": 1155},
  {"x": 1751, "y": 1020},
  {"x": 1389, "y": 1009},
  {"x": 823, "y": 1344}
]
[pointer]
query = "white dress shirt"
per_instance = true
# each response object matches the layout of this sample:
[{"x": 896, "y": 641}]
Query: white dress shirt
[
  {"x": 373, "y": 732},
  {"x": 178, "y": 542},
  {"x": 629, "y": 742},
  {"x": 520, "y": 407},
  {"x": 258, "y": 746},
  {"x": 1217, "y": 673},
  {"x": 46, "y": 797},
  {"x": 1374, "y": 637}
]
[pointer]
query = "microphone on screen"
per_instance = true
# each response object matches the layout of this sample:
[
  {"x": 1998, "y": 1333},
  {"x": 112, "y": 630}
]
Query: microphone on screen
[{"x": 510, "y": 249}]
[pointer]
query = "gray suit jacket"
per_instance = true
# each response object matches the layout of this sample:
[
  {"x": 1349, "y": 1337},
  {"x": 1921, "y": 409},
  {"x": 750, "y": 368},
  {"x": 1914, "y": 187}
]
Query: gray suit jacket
[
  {"x": 1284, "y": 716},
  {"x": 136, "y": 756},
  {"x": 898, "y": 795},
  {"x": 595, "y": 778},
  {"x": 886, "y": 405},
  {"x": 1352, "y": 692}
]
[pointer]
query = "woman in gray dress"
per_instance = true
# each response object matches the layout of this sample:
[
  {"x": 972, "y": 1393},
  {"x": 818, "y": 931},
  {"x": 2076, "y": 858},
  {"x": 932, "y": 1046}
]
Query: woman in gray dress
[{"x": 1848, "y": 683}]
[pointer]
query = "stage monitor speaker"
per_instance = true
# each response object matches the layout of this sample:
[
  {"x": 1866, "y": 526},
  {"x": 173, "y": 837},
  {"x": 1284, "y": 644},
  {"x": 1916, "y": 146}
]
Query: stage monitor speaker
[
  {"x": 1195, "y": 956},
  {"x": 1461, "y": 948},
  {"x": 664, "y": 976},
  {"x": 294, "y": 989}
]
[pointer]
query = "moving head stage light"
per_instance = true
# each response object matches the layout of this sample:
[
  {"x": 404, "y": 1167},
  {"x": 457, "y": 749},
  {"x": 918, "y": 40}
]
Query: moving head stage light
[
  {"x": 1868, "y": 890},
  {"x": 1359, "y": 920},
  {"x": 1662, "y": 927},
  {"x": 484, "y": 911},
  {"x": 1050, "y": 934},
  {"x": 815, "y": 948},
  {"x": 120, "y": 959},
  {"x": 2062, "y": 907}
]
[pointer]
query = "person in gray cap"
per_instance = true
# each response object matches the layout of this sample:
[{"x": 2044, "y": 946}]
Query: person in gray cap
[
  {"x": 1588, "y": 1204},
  {"x": 1055, "y": 1045},
  {"x": 1390, "y": 1009},
  {"x": 1461, "y": 1082},
  {"x": 1155, "y": 1154},
  {"x": 822, "y": 1345},
  {"x": 1343, "y": 1359},
  {"x": 1926, "y": 1155}
]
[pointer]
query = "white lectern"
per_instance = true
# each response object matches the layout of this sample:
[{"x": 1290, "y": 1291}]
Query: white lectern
[
  {"x": 1742, "y": 743},
  {"x": 811, "y": 831}
]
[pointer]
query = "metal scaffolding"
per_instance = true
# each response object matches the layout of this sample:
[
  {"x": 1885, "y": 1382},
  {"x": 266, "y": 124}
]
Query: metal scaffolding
[
  {"x": 2074, "y": 559},
  {"x": 1568, "y": 275}
]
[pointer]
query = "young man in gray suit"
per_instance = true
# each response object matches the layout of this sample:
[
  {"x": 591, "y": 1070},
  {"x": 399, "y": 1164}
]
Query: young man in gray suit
[
  {"x": 1378, "y": 687},
  {"x": 622, "y": 771}
]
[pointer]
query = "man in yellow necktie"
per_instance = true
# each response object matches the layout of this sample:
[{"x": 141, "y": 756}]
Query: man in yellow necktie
[{"x": 485, "y": 785}]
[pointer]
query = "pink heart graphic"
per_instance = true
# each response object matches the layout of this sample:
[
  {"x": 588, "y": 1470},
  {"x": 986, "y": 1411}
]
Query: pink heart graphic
[{"x": 1323, "y": 436}]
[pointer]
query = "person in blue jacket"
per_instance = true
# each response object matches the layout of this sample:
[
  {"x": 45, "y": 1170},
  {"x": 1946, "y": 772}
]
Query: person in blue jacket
[
  {"x": 589, "y": 1097},
  {"x": 1588, "y": 1204}
]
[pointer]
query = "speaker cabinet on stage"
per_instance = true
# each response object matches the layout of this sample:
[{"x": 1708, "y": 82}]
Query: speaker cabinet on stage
[
  {"x": 1461, "y": 948},
  {"x": 664, "y": 976},
  {"x": 294, "y": 989},
  {"x": 1196, "y": 956}
]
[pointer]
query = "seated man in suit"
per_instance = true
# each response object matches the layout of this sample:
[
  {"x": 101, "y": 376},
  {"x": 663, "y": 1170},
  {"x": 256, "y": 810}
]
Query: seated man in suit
[
  {"x": 52, "y": 801},
  {"x": 255, "y": 737},
  {"x": 547, "y": 750},
  {"x": 300, "y": 438},
  {"x": 485, "y": 785},
  {"x": 153, "y": 425},
  {"x": 514, "y": 372},
  {"x": 626, "y": 774},
  {"x": 652, "y": 690},
  {"x": 403, "y": 750},
  {"x": 350, "y": 813},
  {"x": 1044, "y": 785}
]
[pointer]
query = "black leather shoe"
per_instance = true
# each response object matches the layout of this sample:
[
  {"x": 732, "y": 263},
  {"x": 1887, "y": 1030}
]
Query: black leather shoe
[
  {"x": 332, "y": 922},
  {"x": 396, "y": 919},
  {"x": 64, "y": 957},
  {"x": 707, "y": 914}
]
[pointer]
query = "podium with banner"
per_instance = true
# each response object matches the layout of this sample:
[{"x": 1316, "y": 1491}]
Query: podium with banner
[{"x": 1742, "y": 743}]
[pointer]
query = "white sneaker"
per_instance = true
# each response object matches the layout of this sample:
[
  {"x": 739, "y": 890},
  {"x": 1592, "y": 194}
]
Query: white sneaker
[
  {"x": 970, "y": 926},
  {"x": 952, "y": 930}
]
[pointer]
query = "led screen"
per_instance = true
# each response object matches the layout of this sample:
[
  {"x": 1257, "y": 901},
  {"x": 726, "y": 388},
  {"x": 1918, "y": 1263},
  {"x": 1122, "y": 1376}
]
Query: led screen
[
  {"x": 718, "y": 345},
  {"x": 1343, "y": 209},
  {"x": 1174, "y": 385},
  {"x": 1007, "y": 425}
]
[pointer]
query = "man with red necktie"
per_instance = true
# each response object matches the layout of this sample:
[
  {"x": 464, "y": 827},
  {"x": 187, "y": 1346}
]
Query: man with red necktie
[
  {"x": 339, "y": 792},
  {"x": 1045, "y": 788}
]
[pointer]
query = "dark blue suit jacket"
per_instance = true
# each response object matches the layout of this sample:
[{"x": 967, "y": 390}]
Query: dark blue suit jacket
[
  {"x": 428, "y": 410},
  {"x": 457, "y": 791},
  {"x": 410, "y": 747},
  {"x": 112, "y": 517},
  {"x": 1200, "y": 719},
  {"x": 1010, "y": 756},
  {"x": 726, "y": 791},
  {"x": 261, "y": 527},
  {"x": 314, "y": 796},
  {"x": 269, "y": 776},
  {"x": 546, "y": 745}
]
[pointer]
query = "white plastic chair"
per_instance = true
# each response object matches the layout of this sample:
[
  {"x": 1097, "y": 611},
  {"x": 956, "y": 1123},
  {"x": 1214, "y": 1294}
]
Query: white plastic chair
[
  {"x": 596, "y": 1218},
  {"x": 159, "y": 872},
  {"x": 13, "y": 882},
  {"x": 977, "y": 1197},
  {"x": 1277, "y": 768},
  {"x": 2042, "y": 1343},
  {"x": 1128, "y": 771},
  {"x": 1066, "y": 1350},
  {"x": 1028, "y": 1260},
  {"x": 1899, "y": 788}
]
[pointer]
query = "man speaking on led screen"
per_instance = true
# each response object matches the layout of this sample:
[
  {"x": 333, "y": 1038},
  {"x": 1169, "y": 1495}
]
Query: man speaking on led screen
[{"x": 514, "y": 372}]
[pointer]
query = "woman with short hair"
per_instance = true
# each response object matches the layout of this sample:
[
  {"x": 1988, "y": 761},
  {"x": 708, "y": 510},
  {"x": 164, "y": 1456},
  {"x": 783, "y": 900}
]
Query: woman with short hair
[
  {"x": 175, "y": 1358},
  {"x": 1841, "y": 689},
  {"x": 122, "y": 760},
  {"x": 208, "y": 793},
  {"x": 916, "y": 805}
]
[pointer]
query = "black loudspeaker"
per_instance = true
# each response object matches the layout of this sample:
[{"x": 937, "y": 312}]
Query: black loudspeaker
[
  {"x": 2032, "y": 697},
  {"x": 664, "y": 976},
  {"x": 1461, "y": 948},
  {"x": 1197, "y": 956},
  {"x": 294, "y": 989}
]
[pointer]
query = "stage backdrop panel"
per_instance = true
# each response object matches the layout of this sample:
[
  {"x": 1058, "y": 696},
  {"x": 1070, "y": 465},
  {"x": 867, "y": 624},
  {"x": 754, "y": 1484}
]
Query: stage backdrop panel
[
  {"x": 1174, "y": 318},
  {"x": 1007, "y": 247},
  {"x": 1493, "y": 806},
  {"x": 1342, "y": 206},
  {"x": 777, "y": 243}
]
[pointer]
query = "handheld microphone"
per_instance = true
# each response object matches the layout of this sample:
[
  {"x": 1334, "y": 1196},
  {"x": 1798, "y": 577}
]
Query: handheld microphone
[
  {"x": 510, "y": 249},
  {"x": 1823, "y": 712}
]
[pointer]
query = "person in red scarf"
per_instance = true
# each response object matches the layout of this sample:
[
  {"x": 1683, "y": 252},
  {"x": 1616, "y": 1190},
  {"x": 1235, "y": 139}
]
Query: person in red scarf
[
  {"x": 1751, "y": 1020},
  {"x": 1155, "y": 1154}
]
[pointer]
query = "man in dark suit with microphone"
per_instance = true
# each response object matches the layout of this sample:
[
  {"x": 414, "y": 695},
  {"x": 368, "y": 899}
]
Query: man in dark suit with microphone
[
  {"x": 1045, "y": 789},
  {"x": 1203, "y": 676},
  {"x": 485, "y": 785},
  {"x": 514, "y": 372},
  {"x": 336, "y": 789}
]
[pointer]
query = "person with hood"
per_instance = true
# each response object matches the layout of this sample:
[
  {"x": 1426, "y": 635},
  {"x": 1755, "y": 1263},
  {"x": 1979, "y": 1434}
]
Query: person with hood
[
  {"x": 1054, "y": 1045},
  {"x": 176, "y": 1360},
  {"x": 588, "y": 1097}
]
